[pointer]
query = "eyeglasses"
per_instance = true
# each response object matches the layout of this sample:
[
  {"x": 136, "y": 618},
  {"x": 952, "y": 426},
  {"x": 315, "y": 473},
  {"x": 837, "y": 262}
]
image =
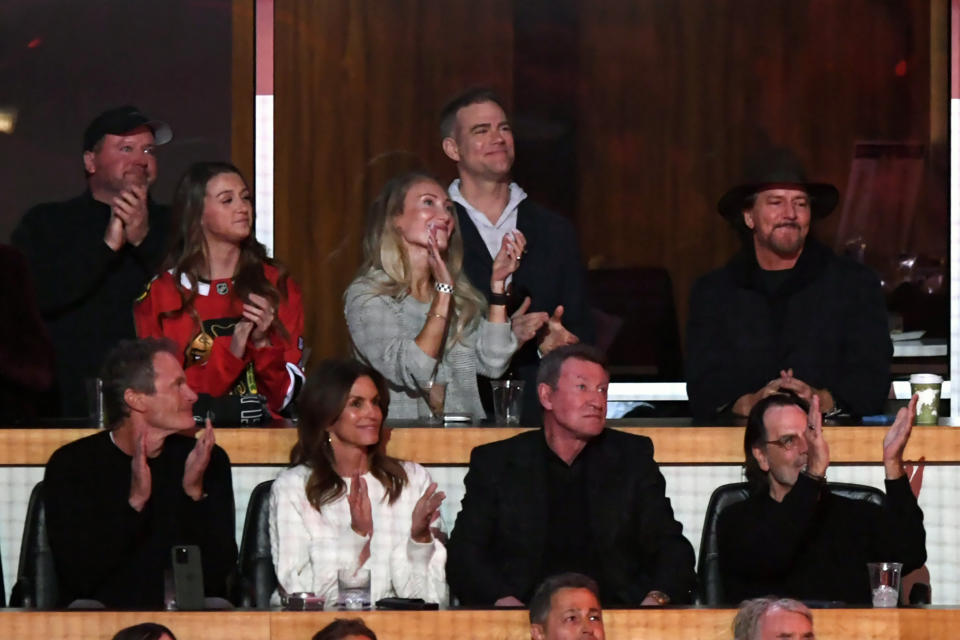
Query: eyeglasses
[{"x": 787, "y": 443}]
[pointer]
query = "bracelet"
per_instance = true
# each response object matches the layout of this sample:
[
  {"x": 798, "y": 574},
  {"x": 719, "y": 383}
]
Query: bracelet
[
  {"x": 819, "y": 479},
  {"x": 437, "y": 315},
  {"x": 498, "y": 299},
  {"x": 443, "y": 287}
]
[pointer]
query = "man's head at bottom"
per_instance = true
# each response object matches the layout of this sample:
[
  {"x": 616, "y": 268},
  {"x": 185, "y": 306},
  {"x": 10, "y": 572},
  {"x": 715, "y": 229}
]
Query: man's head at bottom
[
  {"x": 773, "y": 619},
  {"x": 566, "y": 606}
]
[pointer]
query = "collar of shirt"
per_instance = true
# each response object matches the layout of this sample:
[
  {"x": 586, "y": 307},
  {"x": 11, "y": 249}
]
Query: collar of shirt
[
  {"x": 492, "y": 234},
  {"x": 551, "y": 456}
]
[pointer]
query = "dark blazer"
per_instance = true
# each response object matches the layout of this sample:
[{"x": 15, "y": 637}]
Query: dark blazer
[
  {"x": 496, "y": 548},
  {"x": 551, "y": 273},
  {"x": 827, "y": 322}
]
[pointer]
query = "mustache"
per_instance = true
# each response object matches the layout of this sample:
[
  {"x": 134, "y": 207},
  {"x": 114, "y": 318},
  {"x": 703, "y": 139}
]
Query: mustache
[{"x": 787, "y": 224}]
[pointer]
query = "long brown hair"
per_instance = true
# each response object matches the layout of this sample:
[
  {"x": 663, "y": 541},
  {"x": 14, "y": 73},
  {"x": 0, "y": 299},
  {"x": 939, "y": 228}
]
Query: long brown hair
[
  {"x": 188, "y": 254},
  {"x": 324, "y": 396},
  {"x": 383, "y": 251}
]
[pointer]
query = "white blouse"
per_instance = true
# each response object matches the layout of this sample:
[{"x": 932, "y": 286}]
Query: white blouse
[{"x": 309, "y": 546}]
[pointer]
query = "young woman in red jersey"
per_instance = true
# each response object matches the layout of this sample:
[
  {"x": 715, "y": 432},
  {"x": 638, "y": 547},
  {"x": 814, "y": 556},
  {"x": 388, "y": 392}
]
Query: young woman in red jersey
[{"x": 232, "y": 310}]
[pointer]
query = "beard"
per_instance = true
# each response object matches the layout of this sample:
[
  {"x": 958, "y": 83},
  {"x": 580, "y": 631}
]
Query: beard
[{"x": 786, "y": 240}]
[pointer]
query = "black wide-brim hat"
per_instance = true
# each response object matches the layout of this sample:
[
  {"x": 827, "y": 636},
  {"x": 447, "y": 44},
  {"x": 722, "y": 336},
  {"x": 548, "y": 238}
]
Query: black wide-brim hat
[{"x": 777, "y": 169}]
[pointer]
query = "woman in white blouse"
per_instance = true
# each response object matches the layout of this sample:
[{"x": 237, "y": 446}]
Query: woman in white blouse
[{"x": 345, "y": 504}]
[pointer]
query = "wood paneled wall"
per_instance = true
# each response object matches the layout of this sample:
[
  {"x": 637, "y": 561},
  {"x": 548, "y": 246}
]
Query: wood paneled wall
[
  {"x": 242, "y": 87},
  {"x": 359, "y": 84},
  {"x": 632, "y": 116}
]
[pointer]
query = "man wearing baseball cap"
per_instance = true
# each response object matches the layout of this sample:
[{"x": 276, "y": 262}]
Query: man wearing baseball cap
[
  {"x": 785, "y": 314},
  {"x": 91, "y": 256}
]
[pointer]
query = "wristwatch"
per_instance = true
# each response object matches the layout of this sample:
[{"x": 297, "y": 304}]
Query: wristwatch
[{"x": 661, "y": 598}]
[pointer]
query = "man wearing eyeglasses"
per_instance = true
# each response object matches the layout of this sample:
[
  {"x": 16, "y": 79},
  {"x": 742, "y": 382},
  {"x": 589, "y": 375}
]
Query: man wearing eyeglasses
[{"x": 795, "y": 538}]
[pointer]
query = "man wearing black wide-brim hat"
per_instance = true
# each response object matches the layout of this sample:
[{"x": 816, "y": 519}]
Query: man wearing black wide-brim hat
[
  {"x": 785, "y": 312},
  {"x": 92, "y": 255}
]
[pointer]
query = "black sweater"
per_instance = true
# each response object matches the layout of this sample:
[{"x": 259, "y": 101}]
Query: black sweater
[
  {"x": 827, "y": 321},
  {"x": 85, "y": 290},
  {"x": 105, "y": 550},
  {"x": 816, "y": 545}
]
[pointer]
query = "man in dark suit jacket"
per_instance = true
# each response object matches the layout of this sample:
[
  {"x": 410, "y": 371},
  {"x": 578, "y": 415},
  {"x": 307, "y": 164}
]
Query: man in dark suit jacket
[
  {"x": 477, "y": 136},
  {"x": 573, "y": 496}
]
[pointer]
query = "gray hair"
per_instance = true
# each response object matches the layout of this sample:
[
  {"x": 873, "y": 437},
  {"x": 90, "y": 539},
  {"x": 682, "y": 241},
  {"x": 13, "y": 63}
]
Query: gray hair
[{"x": 749, "y": 621}]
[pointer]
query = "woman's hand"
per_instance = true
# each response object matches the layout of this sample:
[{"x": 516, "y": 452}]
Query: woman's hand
[
  {"x": 525, "y": 325},
  {"x": 261, "y": 314},
  {"x": 438, "y": 266},
  {"x": 425, "y": 512},
  {"x": 241, "y": 333},
  {"x": 508, "y": 259},
  {"x": 361, "y": 517}
]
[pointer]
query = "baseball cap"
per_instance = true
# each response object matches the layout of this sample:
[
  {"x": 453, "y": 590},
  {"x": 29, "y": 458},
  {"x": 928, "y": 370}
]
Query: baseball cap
[{"x": 123, "y": 120}]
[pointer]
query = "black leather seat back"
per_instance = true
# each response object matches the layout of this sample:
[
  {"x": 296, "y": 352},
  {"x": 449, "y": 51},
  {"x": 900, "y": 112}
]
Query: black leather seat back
[
  {"x": 257, "y": 576},
  {"x": 37, "y": 584}
]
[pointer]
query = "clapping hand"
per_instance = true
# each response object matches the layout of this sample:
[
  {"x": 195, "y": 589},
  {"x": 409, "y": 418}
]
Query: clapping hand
[
  {"x": 425, "y": 512},
  {"x": 508, "y": 258},
  {"x": 261, "y": 314},
  {"x": 895, "y": 441},
  {"x": 257, "y": 319},
  {"x": 818, "y": 452},
  {"x": 241, "y": 333},
  {"x": 130, "y": 207},
  {"x": 438, "y": 266},
  {"x": 141, "y": 480},
  {"x": 525, "y": 325},
  {"x": 361, "y": 516},
  {"x": 805, "y": 391},
  {"x": 556, "y": 334},
  {"x": 197, "y": 462}
]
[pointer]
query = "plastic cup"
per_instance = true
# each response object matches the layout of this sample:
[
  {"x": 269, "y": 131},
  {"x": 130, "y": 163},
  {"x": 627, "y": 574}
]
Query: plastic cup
[
  {"x": 927, "y": 388},
  {"x": 353, "y": 589},
  {"x": 507, "y": 401},
  {"x": 431, "y": 406},
  {"x": 885, "y": 583}
]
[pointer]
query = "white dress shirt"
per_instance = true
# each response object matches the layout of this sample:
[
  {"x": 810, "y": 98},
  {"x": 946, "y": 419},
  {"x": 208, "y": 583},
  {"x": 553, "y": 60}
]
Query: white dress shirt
[{"x": 492, "y": 233}]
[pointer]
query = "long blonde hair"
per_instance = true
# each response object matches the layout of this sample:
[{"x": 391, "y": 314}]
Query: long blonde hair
[{"x": 386, "y": 263}]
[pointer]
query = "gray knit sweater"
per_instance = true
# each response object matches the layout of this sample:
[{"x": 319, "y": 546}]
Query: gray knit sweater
[{"x": 383, "y": 330}]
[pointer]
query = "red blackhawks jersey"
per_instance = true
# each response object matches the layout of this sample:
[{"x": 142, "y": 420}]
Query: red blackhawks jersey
[{"x": 273, "y": 371}]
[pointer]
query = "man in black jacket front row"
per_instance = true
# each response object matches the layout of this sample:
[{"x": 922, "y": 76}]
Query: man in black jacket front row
[
  {"x": 795, "y": 538},
  {"x": 573, "y": 496},
  {"x": 119, "y": 500}
]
